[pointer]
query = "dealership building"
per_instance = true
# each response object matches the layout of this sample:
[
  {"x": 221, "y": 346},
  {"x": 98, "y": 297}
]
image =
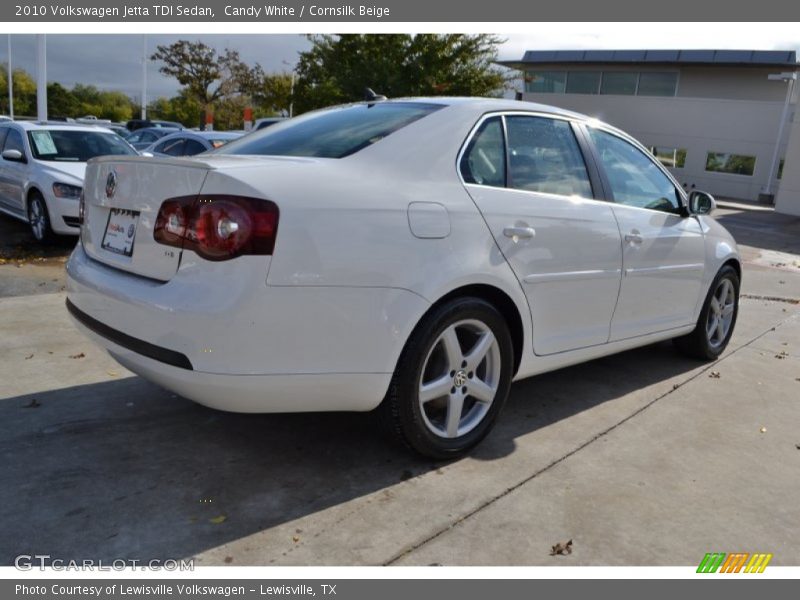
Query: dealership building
[{"x": 713, "y": 117}]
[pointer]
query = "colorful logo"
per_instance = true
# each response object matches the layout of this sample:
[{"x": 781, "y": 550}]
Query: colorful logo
[{"x": 737, "y": 562}]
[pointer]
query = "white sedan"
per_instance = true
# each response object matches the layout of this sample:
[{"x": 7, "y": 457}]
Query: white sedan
[{"x": 414, "y": 256}]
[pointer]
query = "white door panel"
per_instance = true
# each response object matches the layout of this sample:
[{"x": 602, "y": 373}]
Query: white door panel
[
  {"x": 663, "y": 265},
  {"x": 570, "y": 267}
]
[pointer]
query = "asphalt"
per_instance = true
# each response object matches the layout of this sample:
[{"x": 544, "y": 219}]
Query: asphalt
[{"x": 643, "y": 458}]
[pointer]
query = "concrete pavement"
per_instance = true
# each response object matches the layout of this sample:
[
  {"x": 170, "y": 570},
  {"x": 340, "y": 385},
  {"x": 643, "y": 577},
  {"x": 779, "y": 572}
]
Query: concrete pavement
[{"x": 643, "y": 458}]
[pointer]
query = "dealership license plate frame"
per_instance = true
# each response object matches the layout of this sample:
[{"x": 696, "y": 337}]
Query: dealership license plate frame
[{"x": 118, "y": 241}]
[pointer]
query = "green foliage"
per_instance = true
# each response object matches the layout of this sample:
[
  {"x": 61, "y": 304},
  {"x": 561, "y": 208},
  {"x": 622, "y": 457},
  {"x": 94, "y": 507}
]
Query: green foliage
[
  {"x": 24, "y": 92},
  {"x": 338, "y": 68}
]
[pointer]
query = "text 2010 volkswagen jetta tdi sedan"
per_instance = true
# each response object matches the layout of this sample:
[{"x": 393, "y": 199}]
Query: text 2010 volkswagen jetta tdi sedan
[{"x": 415, "y": 254}]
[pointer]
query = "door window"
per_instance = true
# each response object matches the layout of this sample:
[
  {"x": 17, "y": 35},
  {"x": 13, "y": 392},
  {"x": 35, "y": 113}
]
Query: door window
[
  {"x": 544, "y": 156},
  {"x": 171, "y": 147},
  {"x": 14, "y": 141},
  {"x": 484, "y": 161},
  {"x": 635, "y": 178},
  {"x": 193, "y": 147}
]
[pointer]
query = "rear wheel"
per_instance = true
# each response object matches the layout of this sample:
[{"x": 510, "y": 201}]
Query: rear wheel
[
  {"x": 452, "y": 379},
  {"x": 39, "y": 219},
  {"x": 717, "y": 318}
]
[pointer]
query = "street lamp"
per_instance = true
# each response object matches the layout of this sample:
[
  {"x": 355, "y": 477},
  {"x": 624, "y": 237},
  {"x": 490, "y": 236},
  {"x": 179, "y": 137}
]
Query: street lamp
[
  {"x": 291, "y": 90},
  {"x": 790, "y": 78}
]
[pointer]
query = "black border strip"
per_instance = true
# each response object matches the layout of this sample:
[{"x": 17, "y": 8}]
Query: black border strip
[{"x": 170, "y": 357}]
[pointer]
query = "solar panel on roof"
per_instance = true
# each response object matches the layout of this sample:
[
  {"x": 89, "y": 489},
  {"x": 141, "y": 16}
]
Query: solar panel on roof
[
  {"x": 661, "y": 55},
  {"x": 599, "y": 55},
  {"x": 733, "y": 56},
  {"x": 769, "y": 56},
  {"x": 696, "y": 56},
  {"x": 570, "y": 55},
  {"x": 629, "y": 55}
]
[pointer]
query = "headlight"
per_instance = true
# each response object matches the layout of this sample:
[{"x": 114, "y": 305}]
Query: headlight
[{"x": 64, "y": 190}]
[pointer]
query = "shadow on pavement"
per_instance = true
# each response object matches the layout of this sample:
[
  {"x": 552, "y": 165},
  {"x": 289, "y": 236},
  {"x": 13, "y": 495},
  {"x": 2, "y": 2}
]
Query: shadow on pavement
[{"x": 123, "y": 469}]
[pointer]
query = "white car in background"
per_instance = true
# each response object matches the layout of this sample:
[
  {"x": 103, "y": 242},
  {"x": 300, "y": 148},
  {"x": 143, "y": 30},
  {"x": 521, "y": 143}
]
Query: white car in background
[
  {"x": 42, "y": 168},
  {"x": 414, "y": 256}
]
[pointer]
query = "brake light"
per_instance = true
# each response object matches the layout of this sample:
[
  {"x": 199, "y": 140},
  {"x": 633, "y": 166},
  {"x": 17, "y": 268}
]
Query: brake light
[{"x": 218, "y": 227}]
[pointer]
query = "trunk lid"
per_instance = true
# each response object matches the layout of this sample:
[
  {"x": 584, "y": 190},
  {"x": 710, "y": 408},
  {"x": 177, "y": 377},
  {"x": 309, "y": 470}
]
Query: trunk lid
[{"x": 122, "y": 197}]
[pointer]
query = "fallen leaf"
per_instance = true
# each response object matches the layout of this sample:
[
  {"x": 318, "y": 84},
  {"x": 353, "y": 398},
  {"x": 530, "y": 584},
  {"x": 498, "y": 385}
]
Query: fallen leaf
[
  {"x": 34, "y": 403},
  {"x": 714, "y": 374},
  {"x": 218, "y": 519},
  {"x": 81, "y": 355},
  {"x": 112, "y": 373},
  {"x": 763, "y": 430},
  {"x": 228, "y": 560},
  {"x": 561, "y": 548},
  {"x": 295, "y": 538},
  {"x": 30, "y": 356},
  {"x": 783, "y": 354}
]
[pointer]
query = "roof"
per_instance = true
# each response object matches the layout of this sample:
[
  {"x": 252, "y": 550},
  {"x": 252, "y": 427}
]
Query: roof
[
  {"x": 750, "y": 58},
  {"x": 59, "y": 125}
]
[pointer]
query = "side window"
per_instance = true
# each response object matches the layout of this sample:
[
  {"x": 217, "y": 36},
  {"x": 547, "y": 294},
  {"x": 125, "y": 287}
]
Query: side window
[
  {"x": 14, "y": 141},
  {"x": 148, "y": 136},
  {"x": 193, "y": 147},
  {"x": 544, "y": 156},
  {"x": 484, "y": 161},
  {"x": 635, "y": 179},
  {"x": 4, "y": 132},
  {"x": 172, "y": 147},
  {"x": 134, "y": 138}
]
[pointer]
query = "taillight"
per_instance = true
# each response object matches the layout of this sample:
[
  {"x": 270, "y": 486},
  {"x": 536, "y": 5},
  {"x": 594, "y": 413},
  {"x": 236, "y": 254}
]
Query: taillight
[
  {"x": 217, "y": 226},
  {"x": 81, "y": 207}
]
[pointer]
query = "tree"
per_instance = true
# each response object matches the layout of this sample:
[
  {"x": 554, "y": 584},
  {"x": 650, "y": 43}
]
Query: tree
[
  {"x": 272, "y": 94},
  {"x": 24, "y": 92},
  {"x": 338, "y": 68},
  {"x": 205, "y": 76}
]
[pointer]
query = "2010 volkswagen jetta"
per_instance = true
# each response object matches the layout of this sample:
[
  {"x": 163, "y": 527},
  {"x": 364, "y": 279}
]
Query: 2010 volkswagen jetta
[{"x": 412, "y": 255}]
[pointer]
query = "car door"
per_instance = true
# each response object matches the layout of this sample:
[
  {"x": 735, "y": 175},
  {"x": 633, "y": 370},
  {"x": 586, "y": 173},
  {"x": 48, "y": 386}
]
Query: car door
[
  {"x": 14, "y": 174},
  {"x": 663, "y": 255},
  {"x": 528, "y": 177},
  {"x": 5, "y": 201}
]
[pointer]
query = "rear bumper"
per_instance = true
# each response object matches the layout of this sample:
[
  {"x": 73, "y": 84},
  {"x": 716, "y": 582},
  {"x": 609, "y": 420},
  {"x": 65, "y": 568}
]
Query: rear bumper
[{"x": 217, "y": 334}]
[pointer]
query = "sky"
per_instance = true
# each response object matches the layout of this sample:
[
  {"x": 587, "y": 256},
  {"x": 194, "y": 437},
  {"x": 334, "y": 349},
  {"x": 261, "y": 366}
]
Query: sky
[{"x": 113, "y": 61}]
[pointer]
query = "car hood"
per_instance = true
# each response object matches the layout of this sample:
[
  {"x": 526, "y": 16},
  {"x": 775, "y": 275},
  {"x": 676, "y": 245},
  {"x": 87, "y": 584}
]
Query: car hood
[{"x": 65, "y": 172}]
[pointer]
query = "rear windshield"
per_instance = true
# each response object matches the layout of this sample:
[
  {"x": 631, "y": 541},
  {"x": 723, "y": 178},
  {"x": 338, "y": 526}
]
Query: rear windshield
[
  {"x": 75, "y": 146},
  {"x": 332, "y": 133}
]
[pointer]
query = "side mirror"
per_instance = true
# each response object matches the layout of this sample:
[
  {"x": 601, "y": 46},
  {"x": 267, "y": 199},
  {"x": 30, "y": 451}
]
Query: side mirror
[
  {"x": 701, "y": 203},
  {"x": 14, "y": 156},
  {"x": 147, "y": 154}
]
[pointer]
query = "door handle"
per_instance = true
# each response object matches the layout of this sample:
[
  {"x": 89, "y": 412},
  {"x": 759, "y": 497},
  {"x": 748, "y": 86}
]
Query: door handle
[
  {"x": 634, "y": 237},
  {"x": 519, "y": 232}
]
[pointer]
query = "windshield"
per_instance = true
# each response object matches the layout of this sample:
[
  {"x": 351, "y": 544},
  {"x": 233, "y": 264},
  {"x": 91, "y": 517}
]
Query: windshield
[
  {"x": 332, "y": 133},
  {"x": 75, "y": 146}
]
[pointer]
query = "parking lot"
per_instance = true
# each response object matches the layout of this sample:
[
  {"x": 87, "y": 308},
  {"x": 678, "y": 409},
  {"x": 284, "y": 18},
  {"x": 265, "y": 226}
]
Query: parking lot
[{"x": 644, "y": 458}]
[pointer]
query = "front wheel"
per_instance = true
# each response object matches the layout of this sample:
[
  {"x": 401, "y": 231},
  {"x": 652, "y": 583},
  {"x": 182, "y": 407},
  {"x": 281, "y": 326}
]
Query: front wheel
[
  {"x": 717, "y": 318},
  {"x": 39, "y": 219},
  {"x": 452, "y": 379}
]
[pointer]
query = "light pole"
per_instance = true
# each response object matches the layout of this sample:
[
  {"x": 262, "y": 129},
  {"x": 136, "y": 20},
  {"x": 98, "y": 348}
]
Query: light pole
[
  {"x": 144, "y": 77},
  {"x": 790, "y": 78},
  {"x": 41, "y": 77},
  {"x": 10, "y": 82},
  {"x": 291, "y": 91}
]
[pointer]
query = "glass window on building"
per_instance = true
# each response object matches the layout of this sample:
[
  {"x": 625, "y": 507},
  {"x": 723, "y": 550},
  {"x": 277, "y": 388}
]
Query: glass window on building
[
  {"x": 545, "y": 82},
  {"x": 725, "y": 162},
  {"x": 620, "y": 83},
  {"x": 672, "y": 158},
  {"x": 657, "y": 84},
  {"x": 780, "y": 169},
  {"x": 583, "y": 82}
]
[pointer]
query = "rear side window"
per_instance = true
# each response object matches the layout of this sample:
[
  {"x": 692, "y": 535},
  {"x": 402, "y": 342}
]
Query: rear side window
[
  {"x": 333, "y": 133},
  {"x": 484, "y": 161},
  {"x": 3, "y": 134},
  {"x": 193, "y": 147},
  {"x": 171, "y": 147},
  {"x": 544, "y": 156}
]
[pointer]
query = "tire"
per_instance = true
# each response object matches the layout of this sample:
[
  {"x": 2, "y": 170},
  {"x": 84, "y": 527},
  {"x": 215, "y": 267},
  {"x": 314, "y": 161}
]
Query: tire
[
  {"x": 466, "y": 342},
  {"x": 719, "y": 321},
  {"x": 39, "y": 219}
]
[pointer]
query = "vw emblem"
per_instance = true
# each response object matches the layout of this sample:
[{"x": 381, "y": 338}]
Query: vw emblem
[
  {"x": 111, "y": 184},
  {"x": 460, "y": 379}
]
